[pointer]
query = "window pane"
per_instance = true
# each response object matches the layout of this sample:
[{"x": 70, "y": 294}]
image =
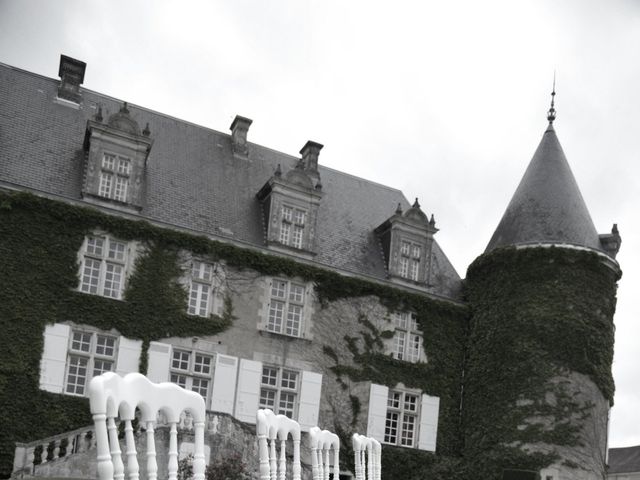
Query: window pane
[
  {"x": 113, "y": 280},
  {"x": 202, "y": 364},
  {"x": 398, "y": 345},
  {"x": 180, "y": 360},
  {"x": 391, "y": 427},
  {"x": 289, "y": 379},
  {"x": 105, "y": 346},
  {"x": 296, "y": 293},
  {"x": 404, "y": 248},
  {"x": 404, "y": 267},
  {"x": 267, "y": 399},
  {"x": 269, "y": 376},
  {"x": 299, "y": 217},
  {"x": 120, "y": 189},
  {"x": 106, "y": 180},
  {"x": 101, "y": 366},
  {"x": 200, "y": 385},
  {"x": 285, "y": 232},
  {"x": 416, "y": 251},
  {"x": 90, "y": 276},
  {"x": 286, "y": 404},
  {"x": 180, "y": 380},
  {"x": 294, "y": 319},
  {"x": 287, "y": 213},
  {"x": 81, "y": 342},
  {"x": 296, "y": 239},
  {"x": 202, "y": 271},
  {"x": 124, "y": 166},
  {"x": 393, "y": 400},
  {"x": 279, "y": 289},
  {"x": 117, "y": 250},
  {"x": 276, "y": 314},
  {"x": 414, "y": 270},
  {"x": 414, "y": 348},
  {"x": 401, "y": 320},
  {"x": 408, "y": 430},
  {"x": 410, "y": 402},
  {"x": 108, "y": 161},
  {"x": 94, "y": 246},
  {"x": 199, "y": 299},
  {"x": 77, "y": 376}
]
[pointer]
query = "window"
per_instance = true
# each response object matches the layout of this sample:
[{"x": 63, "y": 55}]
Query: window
[
  {"x": 90, "y": 354},
  {"x": 114, "y": 177},
  {"x": 192, "y": 370},
  {"x": 292, "y": 226},
  {"x": 407, "y": 339},
  {"x": 201, "y": 289},
  {"x": 410, "y": 255},
  {"x": 286, "y": 308},
  {"x": 279, "y": 390},
  {"x": 401, "y": 426},
  {"x": 103, "y": 266}
]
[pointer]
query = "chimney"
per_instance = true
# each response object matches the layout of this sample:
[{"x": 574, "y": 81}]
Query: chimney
[
  {"x": 310, "y": 153},
  {"x": 71, "y": 74},
  {"x": 239, "y": 128}
]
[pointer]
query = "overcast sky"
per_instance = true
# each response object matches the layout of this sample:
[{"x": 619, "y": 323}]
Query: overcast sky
[{"x": 445, "y": 100}]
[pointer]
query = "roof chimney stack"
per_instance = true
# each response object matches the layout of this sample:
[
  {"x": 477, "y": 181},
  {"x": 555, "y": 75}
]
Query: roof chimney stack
[
  {"x": 239, "y": 128},
  {"x": 71, "y": 74},
  {"x": 310, "y": 153}
]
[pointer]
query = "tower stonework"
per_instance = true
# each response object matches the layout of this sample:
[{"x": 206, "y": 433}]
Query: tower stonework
[{"x": 538, "y": 383}]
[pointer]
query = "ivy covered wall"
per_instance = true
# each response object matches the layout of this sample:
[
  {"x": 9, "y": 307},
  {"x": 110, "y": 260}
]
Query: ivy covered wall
[
  {"x": 39, "y": 242},
  {"x": 538, "y": 377}
]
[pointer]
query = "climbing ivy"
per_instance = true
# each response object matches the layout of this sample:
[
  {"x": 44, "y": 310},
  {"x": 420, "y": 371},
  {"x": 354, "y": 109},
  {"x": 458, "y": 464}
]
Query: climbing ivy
[
  {"x": 39, "y": 242},
  {"x": 538, "y": 314}
]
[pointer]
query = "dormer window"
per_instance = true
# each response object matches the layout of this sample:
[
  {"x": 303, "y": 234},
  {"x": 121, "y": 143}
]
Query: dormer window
[
  {"x": 290, "y": 202},
  {"x": 114, "y": 177},
  {"x": 117, "y": 153},
  {"x": 410, "y": 255},
  {"x": 292, "y": 228},
  {"x": 407, "y": 240}
]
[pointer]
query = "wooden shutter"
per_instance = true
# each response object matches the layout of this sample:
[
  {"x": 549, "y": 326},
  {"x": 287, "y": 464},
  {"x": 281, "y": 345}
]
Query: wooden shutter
[
  {"x": 248, "y": 396},
  {"x": 128, "y": 355},
  {"x": 309, "y": 405},
  {"x": 428, "y": 423},
  {"x": 54, "y": 357},
  {"x": 224, "y": 384},
  {"x": 159, "y": 361},
  {"x": 377, "y": 418}
]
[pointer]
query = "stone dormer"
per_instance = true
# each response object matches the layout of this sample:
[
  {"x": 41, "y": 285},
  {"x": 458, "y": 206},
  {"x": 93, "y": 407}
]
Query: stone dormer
[
  {"x": 116, "y": 157},
  {"x": 407, "y": 241},
  {"x": 290, "y": 203}
]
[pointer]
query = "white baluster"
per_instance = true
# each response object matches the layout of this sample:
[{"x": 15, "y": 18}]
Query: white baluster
[
  {"x": 173, "y": 452},
  {"x": 314, "y": 462},
  {"x": 296, "y": 459},
  {"x": 116, "y": 454},
  {"x": 318, "y": 459},
  {"x": 133, "y": 469},
  {"x": 273, "y": 465},
  {"x": 327, "y": 463},
  {"x": 263, "y": 452},
  {"x": 282, "y": 464},
  {"x": 336, "y": 463},
  {"x": 199, "y": 463},
  {"x": 152, "y": 465},
  {"x": 105, "y": 467}
]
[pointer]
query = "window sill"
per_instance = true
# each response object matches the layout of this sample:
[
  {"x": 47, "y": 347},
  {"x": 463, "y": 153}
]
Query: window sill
[{"x": 270, "y": 334}]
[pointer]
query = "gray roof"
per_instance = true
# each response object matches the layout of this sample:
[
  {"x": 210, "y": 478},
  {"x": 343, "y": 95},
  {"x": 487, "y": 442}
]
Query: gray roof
[
  {"x": 547, "y": 206},
  {"x": 193, "y": 179},
  {"x": 624, "y": 460}
]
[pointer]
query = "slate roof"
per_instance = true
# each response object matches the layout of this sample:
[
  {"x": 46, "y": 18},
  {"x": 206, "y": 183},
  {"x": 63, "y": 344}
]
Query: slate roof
[
  {"x": 624, "y": 460},
  {"x": 193, "y": 179},
  {"x": 547, "y": 206}
]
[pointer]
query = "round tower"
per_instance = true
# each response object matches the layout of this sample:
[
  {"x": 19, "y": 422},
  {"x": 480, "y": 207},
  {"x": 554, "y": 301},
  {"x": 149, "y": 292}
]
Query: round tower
[{"x": 538, "y": 383}]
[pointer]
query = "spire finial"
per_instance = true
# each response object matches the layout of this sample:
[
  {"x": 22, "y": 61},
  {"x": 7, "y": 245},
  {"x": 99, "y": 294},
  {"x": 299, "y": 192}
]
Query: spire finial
[{"x": 551, "y": 115}]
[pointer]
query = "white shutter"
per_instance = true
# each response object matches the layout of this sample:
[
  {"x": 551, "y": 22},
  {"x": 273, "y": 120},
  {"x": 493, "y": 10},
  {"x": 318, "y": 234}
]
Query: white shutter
[
  {"x": 224, "y": 384},
  {"x": 309, "y": 405},
  {"x": 128, "y": 355},
  {"x": 428, "y": 423},
  {"x": 378, "y": 396},
  {"x": 54, "y": 357},
  {"x": 248, "y": 396},
  {"x": 159, "y": 360}
]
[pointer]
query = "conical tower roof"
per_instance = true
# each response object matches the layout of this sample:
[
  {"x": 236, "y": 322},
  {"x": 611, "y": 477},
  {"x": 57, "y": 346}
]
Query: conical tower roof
[{"x": 547, "y": 206}]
